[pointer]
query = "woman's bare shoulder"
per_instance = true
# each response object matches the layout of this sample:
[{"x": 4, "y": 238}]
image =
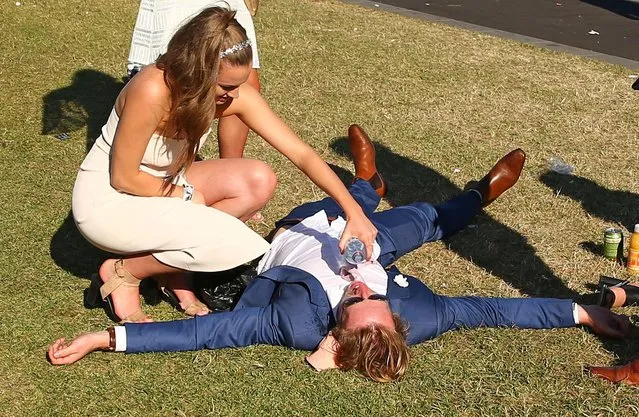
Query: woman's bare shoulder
[{"x": 147, "y": 88}]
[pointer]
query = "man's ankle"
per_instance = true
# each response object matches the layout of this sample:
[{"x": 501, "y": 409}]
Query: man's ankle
[{"x": 478, "y": 193}]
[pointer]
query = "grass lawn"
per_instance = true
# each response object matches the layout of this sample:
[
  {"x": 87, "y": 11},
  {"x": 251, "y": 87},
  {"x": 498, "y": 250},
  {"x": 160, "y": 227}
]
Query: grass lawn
[{"x": 443, "y": 104}]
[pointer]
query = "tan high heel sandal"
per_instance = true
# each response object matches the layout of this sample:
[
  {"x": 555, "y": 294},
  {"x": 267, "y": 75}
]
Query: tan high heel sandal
[
  {"x": 192, "y": 309},
  {"x": 119, "y": 277}
]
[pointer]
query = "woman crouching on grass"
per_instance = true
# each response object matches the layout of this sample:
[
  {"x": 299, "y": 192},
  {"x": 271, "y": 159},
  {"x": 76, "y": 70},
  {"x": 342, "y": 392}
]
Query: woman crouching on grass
[{"x": 141, "y": 194}]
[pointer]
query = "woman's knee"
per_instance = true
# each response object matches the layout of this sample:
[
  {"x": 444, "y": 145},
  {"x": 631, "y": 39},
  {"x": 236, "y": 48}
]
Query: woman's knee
[{"x": 262, "y": 181}]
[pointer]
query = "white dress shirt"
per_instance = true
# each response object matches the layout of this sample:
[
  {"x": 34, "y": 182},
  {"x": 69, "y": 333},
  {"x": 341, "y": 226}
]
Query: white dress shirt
[{"x": 312, "y": 246}]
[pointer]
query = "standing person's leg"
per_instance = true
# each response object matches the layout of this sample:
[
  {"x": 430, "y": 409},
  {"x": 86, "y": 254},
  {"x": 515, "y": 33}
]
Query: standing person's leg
[
  {"x": 147, "y": 40},
  {"x": 403, "y": 229},
  {"x": 232, "y": 133}
]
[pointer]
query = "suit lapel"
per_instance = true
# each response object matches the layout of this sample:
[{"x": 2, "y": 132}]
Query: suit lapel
[
  {"x": 398, "y": 284},
  {"x": 290, "y": 274},
  {"x": 398, "y": 289},
  {"x": 316, "y": 293}
]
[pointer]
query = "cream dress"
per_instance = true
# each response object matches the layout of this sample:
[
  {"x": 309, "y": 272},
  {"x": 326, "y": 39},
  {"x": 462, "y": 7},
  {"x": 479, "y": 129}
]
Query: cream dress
[{"x": 185, "y": 235}]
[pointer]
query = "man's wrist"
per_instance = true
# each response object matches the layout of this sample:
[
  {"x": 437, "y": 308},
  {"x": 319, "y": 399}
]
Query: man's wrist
[
  {"x": 582, "y": 316},
  {"x": 101, "y": 340}
]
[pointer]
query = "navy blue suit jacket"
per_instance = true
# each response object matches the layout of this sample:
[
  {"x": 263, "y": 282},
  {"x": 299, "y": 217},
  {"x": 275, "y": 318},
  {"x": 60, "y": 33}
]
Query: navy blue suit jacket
[{"x": 287, "y": 306}]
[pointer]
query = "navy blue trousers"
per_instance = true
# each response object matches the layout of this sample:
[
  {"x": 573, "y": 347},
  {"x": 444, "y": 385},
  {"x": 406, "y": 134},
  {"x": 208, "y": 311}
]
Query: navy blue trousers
[{"x": 400, "y": 229}]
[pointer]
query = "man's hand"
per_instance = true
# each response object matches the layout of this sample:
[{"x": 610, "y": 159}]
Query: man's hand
[
  {"x": 323, "y": 357},
  {"x": 604, "y": 322},
  {"x": 61, "y": 353}
]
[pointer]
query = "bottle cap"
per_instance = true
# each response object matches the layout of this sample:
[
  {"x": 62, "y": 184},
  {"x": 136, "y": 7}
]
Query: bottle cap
[{"x": 637, "y": 228}]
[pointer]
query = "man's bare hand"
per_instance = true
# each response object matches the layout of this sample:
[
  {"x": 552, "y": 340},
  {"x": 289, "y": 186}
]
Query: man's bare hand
[
  {"x": 62, "y": 353},
  {"x": 604, "y": 322},
  {"x": 323, "y": 357}
]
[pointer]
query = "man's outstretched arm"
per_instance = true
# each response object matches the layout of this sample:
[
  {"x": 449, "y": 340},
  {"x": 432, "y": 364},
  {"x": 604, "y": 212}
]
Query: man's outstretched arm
[
  {"x": 528, "y": 313},
  {"x": 229, "y": 329}
]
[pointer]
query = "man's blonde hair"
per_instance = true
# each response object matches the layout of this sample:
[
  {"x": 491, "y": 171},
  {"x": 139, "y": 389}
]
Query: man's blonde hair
[{"x": 378, "y": 352}]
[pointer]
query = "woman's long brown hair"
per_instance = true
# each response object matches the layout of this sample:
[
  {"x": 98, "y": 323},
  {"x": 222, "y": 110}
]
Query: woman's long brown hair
[{"x": 191, "y": 66}]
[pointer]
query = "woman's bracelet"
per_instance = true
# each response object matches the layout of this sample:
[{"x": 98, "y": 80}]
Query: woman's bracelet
[{"x": 187, "y": 194}]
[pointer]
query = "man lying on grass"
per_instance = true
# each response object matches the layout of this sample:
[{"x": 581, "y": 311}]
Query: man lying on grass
[{"x": 305, "y": 290}]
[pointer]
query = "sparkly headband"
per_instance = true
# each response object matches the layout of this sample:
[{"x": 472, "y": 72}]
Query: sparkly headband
[{"x": 233, "y": 49}]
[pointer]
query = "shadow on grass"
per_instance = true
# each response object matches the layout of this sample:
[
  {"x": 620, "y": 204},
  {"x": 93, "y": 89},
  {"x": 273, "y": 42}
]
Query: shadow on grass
[
  {"x": 492, "y": 246},
  {"x": 615, "y": 207},
  {"x": 618, "y": 208},
  {"x": 73, "y": 253},
  {"x": 86, "y": 102},
  {"x": 625, "y": 8}
]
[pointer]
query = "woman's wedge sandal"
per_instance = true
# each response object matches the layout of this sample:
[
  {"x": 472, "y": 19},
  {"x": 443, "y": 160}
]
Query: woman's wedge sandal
[{"x": 119, "y": 277}]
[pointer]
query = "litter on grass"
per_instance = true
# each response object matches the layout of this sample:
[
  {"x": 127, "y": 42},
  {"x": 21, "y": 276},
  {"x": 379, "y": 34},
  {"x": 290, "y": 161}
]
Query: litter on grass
[
  {"x": 558, "y": 165},
  {"x": 62, "y": 136}
]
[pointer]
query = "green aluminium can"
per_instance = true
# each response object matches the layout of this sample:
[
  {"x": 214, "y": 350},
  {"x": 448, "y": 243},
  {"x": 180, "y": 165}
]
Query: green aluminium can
[{"x": 613, "y": 244}]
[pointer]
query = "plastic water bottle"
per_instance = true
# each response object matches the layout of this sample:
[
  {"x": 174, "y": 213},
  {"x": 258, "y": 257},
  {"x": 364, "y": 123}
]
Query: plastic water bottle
[{"x": 355, "y": 251}]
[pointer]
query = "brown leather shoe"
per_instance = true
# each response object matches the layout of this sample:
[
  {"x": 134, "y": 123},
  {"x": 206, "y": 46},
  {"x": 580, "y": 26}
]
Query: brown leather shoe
[
  {"x": 628, "y": 373},
  {"x": 363, "y": 153},
  {"x": 501, "y": 177}
]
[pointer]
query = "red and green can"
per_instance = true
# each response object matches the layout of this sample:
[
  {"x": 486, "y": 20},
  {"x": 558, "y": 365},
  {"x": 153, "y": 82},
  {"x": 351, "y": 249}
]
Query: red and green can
[{"x": 613, "y": 244}]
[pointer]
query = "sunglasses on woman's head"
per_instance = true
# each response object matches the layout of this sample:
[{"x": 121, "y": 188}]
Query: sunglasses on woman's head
[{"x": 354, "y": 300}]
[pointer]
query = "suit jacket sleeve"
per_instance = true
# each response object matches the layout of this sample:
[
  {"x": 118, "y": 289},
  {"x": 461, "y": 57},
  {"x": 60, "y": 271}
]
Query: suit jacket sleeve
[
  {"x": 525, "y": 313},
  {"x": 243, "y": 327}
]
